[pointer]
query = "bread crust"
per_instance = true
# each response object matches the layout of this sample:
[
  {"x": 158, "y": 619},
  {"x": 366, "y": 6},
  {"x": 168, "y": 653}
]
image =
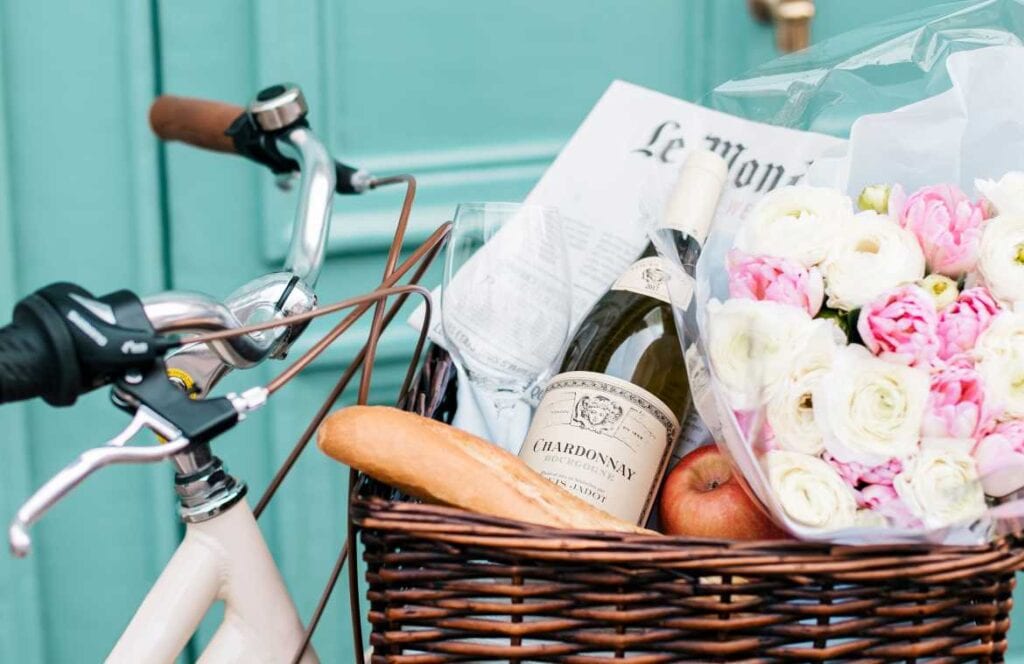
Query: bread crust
[{"x": 436, "y": 462}]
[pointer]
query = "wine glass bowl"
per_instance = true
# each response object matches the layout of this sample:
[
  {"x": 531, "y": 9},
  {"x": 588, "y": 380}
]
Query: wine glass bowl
[{"x": 506, "y": 302}]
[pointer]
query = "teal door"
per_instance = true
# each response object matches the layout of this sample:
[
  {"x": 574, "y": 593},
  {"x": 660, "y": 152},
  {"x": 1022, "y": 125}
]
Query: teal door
[{"x": 475, "y": 98}]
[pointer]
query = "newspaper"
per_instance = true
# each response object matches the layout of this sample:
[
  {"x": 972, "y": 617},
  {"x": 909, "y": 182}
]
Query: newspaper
[{"x": 625, "y": 155}]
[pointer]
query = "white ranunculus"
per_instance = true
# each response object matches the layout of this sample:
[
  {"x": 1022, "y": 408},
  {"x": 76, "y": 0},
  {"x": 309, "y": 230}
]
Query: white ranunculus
[
  {"x": 866, "y": 518},
  {"x": 795, "y": 222},
  {"x": 871, "y": 255},
  {"x": 750, "y": 344},
  {"x": 940, "y": 288},
  {"x": 870, "y": 410},
  {"x": 940, "y": 486},
  {"x": 790, "y": 411},
  {"x": 999, "y": 353},
  {"x": 810, "y": 491},
  {"x": 875, "y": 197},
  {"x": 1003, "y": 339},
  {"x": 1007, "y": 195},
  {"x": 1001, "y": 258},
  {"x": 1004, "y": 385}
]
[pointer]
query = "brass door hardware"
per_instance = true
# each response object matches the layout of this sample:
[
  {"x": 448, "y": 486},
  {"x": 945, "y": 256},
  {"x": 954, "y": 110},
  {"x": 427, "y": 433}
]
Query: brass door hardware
[{"x": 792, "y": 19}]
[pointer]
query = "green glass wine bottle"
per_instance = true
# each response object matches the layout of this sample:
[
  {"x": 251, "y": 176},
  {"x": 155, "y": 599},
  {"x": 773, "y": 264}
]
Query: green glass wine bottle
[{"x": 607, "y": 423}]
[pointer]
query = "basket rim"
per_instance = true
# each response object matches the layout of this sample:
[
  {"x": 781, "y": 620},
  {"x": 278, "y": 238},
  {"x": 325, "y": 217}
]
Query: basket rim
[{"x": 932, "y": 563}]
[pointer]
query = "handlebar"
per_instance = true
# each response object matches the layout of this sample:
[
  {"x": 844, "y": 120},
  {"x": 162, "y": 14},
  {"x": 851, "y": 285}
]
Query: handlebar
[
  {"x": 198, "y": 122},
  {"x": 64, "y": 342},
  {"x": 273, "y": 131},
  {"x": 255, "y": 132},
  {"x": 40, "y": 353}
]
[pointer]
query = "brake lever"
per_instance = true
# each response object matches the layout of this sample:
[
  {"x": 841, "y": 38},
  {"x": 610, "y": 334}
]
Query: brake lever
[{"x": 114, "y": 451}]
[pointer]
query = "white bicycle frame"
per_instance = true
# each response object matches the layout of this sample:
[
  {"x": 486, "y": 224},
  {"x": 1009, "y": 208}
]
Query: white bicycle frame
[{"x": 223, "y": 559}]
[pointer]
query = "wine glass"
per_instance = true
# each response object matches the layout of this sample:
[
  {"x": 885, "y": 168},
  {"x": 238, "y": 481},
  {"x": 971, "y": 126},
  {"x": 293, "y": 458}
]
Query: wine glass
[{"x": 506, "y": 305}]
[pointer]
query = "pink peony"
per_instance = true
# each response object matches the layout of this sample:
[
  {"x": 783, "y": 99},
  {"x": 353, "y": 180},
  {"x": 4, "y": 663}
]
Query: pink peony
[
  {"x": 856, "y": 474},
  {"x": 946, "y": 223},
  {"x": 956, "y": 406},
  {"x": 1000, "y": 457},
  {"x": 900, "y": 326},
  {"x": 762, "y": 441},
  {"x": 883, "y": 499},
  {"x": 961, "y": 323},
  {"x": 775, "y": 279}
]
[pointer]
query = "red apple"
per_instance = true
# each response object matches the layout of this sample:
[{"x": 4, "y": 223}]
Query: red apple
[{"x": 701, "y": 498}]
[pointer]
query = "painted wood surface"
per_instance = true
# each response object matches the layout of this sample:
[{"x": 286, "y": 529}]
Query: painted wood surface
[{"x": 475, "y": 98}]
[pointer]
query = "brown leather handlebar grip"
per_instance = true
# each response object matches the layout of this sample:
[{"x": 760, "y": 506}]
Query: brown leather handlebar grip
[{"x": 198, "y": 122}]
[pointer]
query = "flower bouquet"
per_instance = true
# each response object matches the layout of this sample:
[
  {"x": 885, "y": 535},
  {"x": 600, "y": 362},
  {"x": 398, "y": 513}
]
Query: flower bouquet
[
  {"x": 859, "y": 350},
  {"x": 882, "y": 349}
]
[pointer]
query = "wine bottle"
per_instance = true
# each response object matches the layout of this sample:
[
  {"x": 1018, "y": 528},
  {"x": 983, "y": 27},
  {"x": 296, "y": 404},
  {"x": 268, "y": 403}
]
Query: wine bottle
[{"x": 607, "y": 423}]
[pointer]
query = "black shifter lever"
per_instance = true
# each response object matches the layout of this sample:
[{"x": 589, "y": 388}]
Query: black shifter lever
[{"x": 65, "y": 342}]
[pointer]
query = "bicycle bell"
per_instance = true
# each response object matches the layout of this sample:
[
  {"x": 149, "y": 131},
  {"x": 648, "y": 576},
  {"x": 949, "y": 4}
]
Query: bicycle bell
[{"x": 278, "y": 106}]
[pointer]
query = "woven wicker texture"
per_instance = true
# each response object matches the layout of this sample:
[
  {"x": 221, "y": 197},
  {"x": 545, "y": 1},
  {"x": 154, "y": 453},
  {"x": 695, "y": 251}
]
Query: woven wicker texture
[{"x": 446, "y": 585}]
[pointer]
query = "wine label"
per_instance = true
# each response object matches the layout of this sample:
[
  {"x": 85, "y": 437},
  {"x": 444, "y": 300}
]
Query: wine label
[
  {"x": 645, "y": 277},
  {"x": 648, "y": 277},
  {"x": 603, "y": 439}
]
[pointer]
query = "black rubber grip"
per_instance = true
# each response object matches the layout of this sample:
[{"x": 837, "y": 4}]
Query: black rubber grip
[
  {"x": 37, "y": 353},
  {"x": 25, "y": 363}
]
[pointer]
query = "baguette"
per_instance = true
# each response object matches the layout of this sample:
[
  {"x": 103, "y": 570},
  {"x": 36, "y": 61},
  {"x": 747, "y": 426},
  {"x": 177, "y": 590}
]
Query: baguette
[{"x": 438, "y": 463}]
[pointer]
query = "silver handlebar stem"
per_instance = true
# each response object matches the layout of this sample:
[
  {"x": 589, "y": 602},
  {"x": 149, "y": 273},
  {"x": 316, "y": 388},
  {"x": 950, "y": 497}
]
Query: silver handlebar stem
[
  {"x": 184, "y": 311},
  {"x": 255, "y": 301},
  {"x": 313, "y": 214},
  {"x": 283, "y": 293}
]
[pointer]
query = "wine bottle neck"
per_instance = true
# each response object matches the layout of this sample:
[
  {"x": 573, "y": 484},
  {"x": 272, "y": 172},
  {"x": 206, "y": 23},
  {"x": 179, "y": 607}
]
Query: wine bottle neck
[
  {"x": 648, "y": 251},
  {"x": 691, "y": 205}
]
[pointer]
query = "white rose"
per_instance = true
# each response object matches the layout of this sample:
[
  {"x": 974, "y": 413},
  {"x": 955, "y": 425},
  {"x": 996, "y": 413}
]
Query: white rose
[
  {"x": 810, "y": 491},
  {"x": 790, "y": 411},
  {"x": 1006, "y": 195},
  {"x": 796, "y": 222},
  {"x": 750, "y": 343},
  {"x": 871, "y": 255},
  {"x": 1001, "y": 258},
  {"x": 940, "y": 486},
  {"x": 870, "y": 410},
  {"x": 999, "y": 353}
]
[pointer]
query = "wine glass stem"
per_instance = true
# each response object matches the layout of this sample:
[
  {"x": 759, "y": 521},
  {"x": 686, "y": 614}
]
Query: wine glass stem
[{"x": 504, "y": 406}]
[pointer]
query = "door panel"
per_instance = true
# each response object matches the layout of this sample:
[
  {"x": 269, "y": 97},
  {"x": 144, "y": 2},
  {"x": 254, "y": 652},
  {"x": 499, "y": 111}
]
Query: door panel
[
  {"x": 474, "y": 98},
  {"x": 78, "y": 201},
  {"x": 21, "y": 636}
]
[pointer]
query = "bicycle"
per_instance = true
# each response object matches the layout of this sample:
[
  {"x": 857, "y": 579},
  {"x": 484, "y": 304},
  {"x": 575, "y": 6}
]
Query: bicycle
[{"x": 163, "y": 355}]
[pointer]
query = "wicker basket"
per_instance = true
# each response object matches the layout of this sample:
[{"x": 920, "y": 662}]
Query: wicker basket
[{"x": 446, "y": 585}]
